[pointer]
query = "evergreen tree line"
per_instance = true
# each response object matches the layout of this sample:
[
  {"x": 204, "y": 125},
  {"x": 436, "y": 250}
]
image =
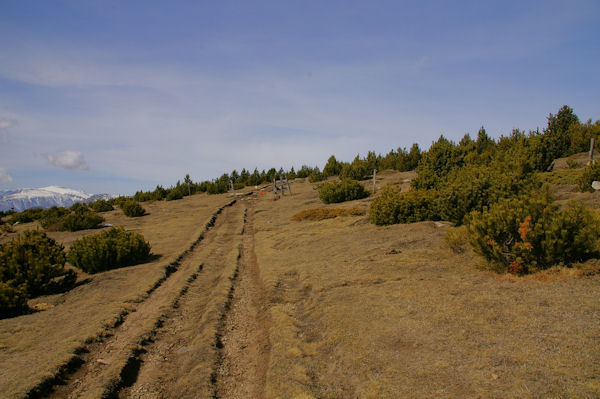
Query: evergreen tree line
[{"x": 529, "y": 151}]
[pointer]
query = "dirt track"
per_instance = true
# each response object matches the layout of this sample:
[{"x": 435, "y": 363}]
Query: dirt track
[
  {"x": 201, "y": 333},
  {"x": 244, "y": 333}
]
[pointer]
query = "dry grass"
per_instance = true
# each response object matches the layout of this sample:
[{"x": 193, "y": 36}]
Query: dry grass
[
  {"x": 34, "y": 345},
  {"x": 389, "y": 312},
  {"x": 580, "y": 160},
  {"x": 457, "y": 239},
  {"x": 356, "y": 310},
  {"x": 326, "y": 213}
]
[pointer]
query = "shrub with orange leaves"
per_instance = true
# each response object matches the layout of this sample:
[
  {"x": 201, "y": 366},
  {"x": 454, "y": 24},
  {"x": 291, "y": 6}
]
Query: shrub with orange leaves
[{"x": 521, "y": 235}]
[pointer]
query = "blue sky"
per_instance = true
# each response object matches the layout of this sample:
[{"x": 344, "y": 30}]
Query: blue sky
[{"x": 116, "y": 96}]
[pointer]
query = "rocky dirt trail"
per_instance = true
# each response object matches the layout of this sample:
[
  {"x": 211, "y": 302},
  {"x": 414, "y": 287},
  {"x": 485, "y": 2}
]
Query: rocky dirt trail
[{"x": 170, "y": 346}]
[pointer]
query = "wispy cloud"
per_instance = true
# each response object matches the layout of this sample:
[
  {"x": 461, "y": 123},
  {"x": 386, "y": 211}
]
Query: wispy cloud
[
  {"x": 4, "y": 176},
  {"x": 71, "y": 160},
  {"x": 7, "y": 123}
]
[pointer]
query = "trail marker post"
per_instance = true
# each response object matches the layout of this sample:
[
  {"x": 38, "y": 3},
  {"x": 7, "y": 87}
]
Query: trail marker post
[
  {"x": 232, "y": 188},
  {"x": 591, "y": 161},
  {"x": 280, "y": 185}
]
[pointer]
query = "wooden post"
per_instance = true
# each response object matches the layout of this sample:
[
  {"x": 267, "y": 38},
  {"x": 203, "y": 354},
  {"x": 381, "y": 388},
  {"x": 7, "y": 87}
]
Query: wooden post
[
  {"x": 288, "y": 184},
  {"x": 591, "y": 162},
  {"x": 374, "y": 176},
  {"x": 232, "y": 188},
  {"x": 274, "y": 189}
]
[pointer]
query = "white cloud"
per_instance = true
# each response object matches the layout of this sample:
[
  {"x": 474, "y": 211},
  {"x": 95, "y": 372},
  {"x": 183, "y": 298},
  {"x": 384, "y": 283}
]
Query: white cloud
[
  {"x": 7, "y": 123},
  {"x": 4, "y": 176},
  {"x": 68, "y": 159}
]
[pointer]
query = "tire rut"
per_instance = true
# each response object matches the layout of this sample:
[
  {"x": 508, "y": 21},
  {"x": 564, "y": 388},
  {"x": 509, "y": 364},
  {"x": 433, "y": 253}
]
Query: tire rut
[
  {"x": 243, "y": 335},
  {"x": 178, "y": 362},
  {"x": 111, "y": 361}
]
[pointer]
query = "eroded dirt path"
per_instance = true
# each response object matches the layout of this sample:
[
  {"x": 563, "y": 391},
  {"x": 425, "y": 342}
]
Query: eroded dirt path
[
  {"x": 214, "y": 342},
  {"x": 175, "y": 323},
  {"x": 244, "y": 333},
  {"x": 202, "y": 333}
]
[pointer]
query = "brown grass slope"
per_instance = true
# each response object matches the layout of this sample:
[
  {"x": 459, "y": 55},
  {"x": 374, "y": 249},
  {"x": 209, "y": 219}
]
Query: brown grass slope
[
  {"x": 347, "y": 310},
  {"x": 360, "y": 311}
]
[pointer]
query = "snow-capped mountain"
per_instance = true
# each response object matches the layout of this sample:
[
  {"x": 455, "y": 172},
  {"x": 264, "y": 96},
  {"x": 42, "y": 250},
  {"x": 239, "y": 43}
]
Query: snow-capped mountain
[{"x": 45, "y": 197}]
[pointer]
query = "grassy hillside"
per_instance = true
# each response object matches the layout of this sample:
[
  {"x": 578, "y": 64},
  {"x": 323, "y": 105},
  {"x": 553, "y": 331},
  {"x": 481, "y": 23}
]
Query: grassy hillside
[{"x": 351, "y": 310}]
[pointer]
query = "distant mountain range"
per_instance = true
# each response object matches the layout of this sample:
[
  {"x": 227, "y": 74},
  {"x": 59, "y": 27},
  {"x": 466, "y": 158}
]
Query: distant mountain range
[{"x": 45, "y": 197}]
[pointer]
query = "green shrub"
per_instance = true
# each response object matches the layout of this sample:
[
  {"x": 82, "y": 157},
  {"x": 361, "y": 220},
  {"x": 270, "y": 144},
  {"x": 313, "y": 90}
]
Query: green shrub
[
  {"x": 110, "y": 249},
  {"x": 520, "y": 235},
  {"x": 13, "y": 301},
  {"x": 436, "y": 163},
  {"x": 332, "y": 167},
  {"x": 81, "y": 220},
  {"x": 590, "y": 174},
  {"x": 132, "y": 209},
  {"x": 316, "y": 176},
  {"x": 101, "y": 206},
  {"x": 174, "y": 194},
  {"x": 119, "y": 201},
  {"x": 77, "y": 217},
  {"x": 344, "y": 190},
  {"x": 393, "y": 207},
  {"x": 31, "y": 264},
  {"x": 473, "y": 187},
  {"x": 26, "y": 216},
  {"x": 52, "y": 218},
  {"x": 357, "y": 170}
]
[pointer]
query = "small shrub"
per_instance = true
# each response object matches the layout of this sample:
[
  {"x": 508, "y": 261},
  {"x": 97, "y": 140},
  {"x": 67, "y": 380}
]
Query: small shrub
[
  {"x": 81, "y": 220},
  {"x": 101, "y": 206},
  {"x": 528, "y": 234},
  {"x": 132, "y": 209},
  {"x": 344, "y": 190},
  {"x": 357, "y": 170},
  {"x": 457, "y": 239},
  {"x": 590, "y": 174},
  {"x": 474, "y": 187},
  {"x": 110, "y": 249},
  {"x": 316, "y": 176},
  {"x": 561, "y": 177},
  {"x": 78, "y": 217},
  {"x": 119, "y": 201},
  {"x": 174, "y": 194},
  {"x": 52, "y": 218},
  {"x": 326, "y": 213},
  {"x": 393, "y": 207},
  {"x": 13, "y": 301},
  {"x": 26, "y": 216},
  {"x": 30, "y": 265}
]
